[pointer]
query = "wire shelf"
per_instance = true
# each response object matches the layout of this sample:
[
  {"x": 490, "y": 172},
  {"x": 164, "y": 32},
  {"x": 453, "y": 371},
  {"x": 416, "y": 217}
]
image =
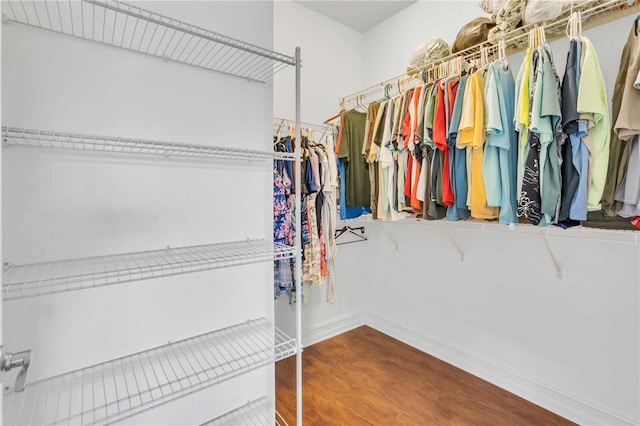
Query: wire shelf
[
  {"x": 132, "y": 28},
  {"x": 114, "y": 144},
  {"x": 285, "y": 345},
  {"x": 121, "y": 388},
  {"x": 21, "y": 281},
  {"x": 594, "y": 13},
  {"x": 252, "y": 413}
]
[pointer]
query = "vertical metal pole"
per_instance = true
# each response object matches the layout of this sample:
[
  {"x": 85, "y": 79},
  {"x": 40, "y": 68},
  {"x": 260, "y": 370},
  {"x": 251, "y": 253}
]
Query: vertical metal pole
[{"x": 298, "y": 242}]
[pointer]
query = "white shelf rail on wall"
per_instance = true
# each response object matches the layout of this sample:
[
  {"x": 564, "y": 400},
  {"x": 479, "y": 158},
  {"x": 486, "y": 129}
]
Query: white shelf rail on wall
[
  {"x": 37, "y": 279},
  {"x": 475, "y": 225},
  {"x": 132, "y": 28},
  {"x": 125, "y": 145},
  {"x": 121, "y": 388},
  {"x": 593, "y": 13}
]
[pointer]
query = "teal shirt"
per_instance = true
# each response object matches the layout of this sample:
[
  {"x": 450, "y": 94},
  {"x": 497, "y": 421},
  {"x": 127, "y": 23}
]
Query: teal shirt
[{"x": 499, "y": 165}]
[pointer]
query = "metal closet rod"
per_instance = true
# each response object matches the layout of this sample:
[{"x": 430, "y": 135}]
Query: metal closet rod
[
  {"x": 515, "y": 41},
  {"x": 287, "y": 122}
]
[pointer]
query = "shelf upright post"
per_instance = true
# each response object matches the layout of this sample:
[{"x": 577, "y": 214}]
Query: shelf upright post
[{"x": 298, "y": 242}]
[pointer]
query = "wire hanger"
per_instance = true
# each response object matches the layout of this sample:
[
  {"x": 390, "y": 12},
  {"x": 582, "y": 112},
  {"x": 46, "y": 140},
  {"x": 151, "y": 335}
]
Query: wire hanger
[{"x": 349, "y": 230}]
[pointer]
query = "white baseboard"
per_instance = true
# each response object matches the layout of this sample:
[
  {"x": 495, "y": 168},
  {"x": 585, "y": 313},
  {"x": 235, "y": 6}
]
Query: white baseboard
[
  {"x": 567, "y": 406},
  {"x": 328, "y": 329}
]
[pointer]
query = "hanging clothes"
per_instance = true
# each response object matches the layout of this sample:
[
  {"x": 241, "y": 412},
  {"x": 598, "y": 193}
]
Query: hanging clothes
[
  {"x": 472, "y": 134},
  {"x": 627, "y": 127},
  {"x": 357, "y": 188},
  {"x": 593, "y": 105},
  {"x": 459, "y": 210},
  {"x": 501, "y": 152}
]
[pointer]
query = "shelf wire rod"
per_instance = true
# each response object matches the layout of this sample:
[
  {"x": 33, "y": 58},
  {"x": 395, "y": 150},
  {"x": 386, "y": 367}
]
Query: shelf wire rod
[
  {"x": 196, "y": 372},
  {"x": 130, "y": 396},
  {"x": 186, "y": 45},
  {"x": 164, "y": 34},
  {"x": 152, "y": 38},
  {"x": 133, "y": 34},
  {"x": 265, "y": 72},
  {"x": 35, "y": 9},
  {"x": 73, "y": 30},
  {"x": 278, "y": 69},
  {"x": 221, "y": 65},
  {"x": 25, "y": 12},
  {"x": 246, "y": 345},
  {"x": 144, "y": 375},
  {"x": 224, "y": 50},
  {"x": 166, "y": 47},
  {"x": 93, "y": 22},
  {"x": 201, "y": 350},
  {"x": 197, "y": 55},
  {"x": 104, "y": 24},
  {"x": 113, "y": 32},
  {"x": 144, "y": 32},
  {"x": 81, "y": 17},
  {"x": 240, "y": 64},
  {"x": 252, "y": 70},
  {"x": 178, "y": 42},
  {"x": 232, "y": 352},
  {"x": 214, "y": 46},
  {"x": 195, "y": 46},
  {"x": 155, "y": 373}
]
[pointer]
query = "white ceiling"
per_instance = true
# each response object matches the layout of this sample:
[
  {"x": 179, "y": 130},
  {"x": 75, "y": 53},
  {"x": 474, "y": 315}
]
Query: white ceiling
[{"x": 361, "y": 15}]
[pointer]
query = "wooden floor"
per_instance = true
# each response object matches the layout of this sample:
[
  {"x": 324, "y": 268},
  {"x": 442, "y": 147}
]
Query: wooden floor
[{"x": 364, "y": 377}]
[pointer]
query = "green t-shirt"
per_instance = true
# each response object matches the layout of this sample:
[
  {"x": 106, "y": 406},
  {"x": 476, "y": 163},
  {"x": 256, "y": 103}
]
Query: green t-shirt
[{"x": 357, "y": 188}]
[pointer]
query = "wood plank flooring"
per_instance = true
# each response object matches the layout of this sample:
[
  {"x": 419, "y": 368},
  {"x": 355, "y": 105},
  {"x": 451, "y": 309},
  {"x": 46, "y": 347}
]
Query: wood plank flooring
[{"x": 364, "y": 377}]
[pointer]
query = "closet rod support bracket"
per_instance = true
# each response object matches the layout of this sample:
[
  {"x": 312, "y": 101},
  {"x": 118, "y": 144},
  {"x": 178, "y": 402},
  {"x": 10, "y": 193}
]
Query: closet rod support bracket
[
  {"x": 455, "y": 244},
  {"x": 393, "y": 241},
  {"x": 553, "y": 257},
  {"x": 9, "y": 361}
]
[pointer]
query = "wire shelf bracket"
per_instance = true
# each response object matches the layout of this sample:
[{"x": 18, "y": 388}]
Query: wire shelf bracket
[
  {"x": 122, "y": 25},
  {"x": 114, "y": 144},
  {"x": 37, "y": 279},
  {"x": 118, "y": 389},
  {"x": 554, "y": 260}
]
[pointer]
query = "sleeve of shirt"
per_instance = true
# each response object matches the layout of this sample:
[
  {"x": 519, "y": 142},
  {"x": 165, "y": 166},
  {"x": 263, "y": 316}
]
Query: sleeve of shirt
[
  {"x": 343, "y": 149},
  {"x": 465, "y": 129},
  {"x": 492, "y": 106}
]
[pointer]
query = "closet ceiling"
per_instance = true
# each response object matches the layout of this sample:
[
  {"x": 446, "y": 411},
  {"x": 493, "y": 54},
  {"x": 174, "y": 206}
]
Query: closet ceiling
[{"x": 359, "y": 15}]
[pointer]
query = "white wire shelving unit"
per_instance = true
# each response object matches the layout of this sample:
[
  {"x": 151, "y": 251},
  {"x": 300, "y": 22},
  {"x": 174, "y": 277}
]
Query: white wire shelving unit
[
  {"x": 38, "y": 279},
  {"x": 121, "y": 388},
  {"x": 115, "y": 144},
  {"x": 253, "y": 413},
  {"x": 135, "y": 29}
]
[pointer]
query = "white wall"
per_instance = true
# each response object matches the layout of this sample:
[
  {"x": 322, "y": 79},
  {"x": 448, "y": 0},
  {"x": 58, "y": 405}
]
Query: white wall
[
  {"x": 67, "y": 204},
  {"x": 332, "y": 61},
  {"x": 332, "y": 56},
  {"x": 389, "y": 45},
  {"x": 570, "y": 345}
]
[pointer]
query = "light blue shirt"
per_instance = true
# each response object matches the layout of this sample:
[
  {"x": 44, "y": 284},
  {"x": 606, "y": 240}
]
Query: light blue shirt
[{"x": 499, "y": 166}]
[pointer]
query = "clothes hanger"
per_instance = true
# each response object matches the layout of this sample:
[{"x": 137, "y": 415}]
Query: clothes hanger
[
  {"x": 339, "y": 114},
  {"x": 349, "y": 230}
]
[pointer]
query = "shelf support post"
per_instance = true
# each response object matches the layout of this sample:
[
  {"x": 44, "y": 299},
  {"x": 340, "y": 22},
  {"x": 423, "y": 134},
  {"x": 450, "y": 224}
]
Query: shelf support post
[
  {"x": 389, "y": 236},
  {"x": 298, "y": 242}
]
